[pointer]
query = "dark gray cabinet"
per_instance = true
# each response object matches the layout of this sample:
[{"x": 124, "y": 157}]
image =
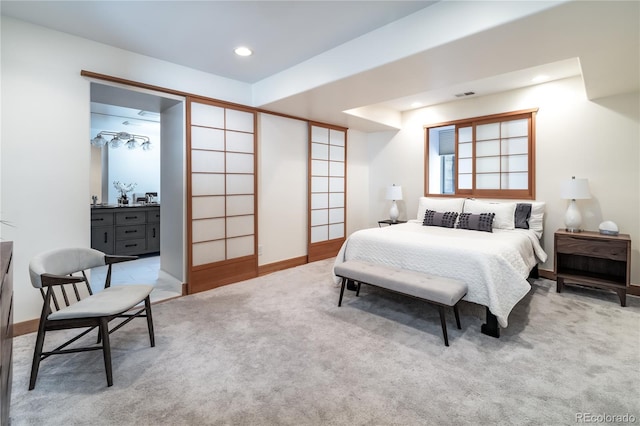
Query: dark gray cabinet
[
  {"x": 153, "y": 230},
  {"x": 126, "y": 230},
  {"x": 102, "y": 236}
]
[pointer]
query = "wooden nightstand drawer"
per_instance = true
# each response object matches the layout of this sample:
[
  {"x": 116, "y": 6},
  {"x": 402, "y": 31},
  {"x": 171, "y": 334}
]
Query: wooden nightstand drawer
[{"x": 606, "y": 249}]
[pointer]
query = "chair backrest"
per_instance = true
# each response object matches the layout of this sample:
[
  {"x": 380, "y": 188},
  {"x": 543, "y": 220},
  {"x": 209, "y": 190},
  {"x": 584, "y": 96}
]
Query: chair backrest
[{"x": 63, "y": 262}]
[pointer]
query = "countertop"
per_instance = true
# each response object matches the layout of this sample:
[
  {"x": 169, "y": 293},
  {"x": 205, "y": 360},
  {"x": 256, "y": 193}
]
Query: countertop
[{"x": 127, "y": 206}]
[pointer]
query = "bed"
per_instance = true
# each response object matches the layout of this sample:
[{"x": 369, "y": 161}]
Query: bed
[{"x": 495, "y": 265}]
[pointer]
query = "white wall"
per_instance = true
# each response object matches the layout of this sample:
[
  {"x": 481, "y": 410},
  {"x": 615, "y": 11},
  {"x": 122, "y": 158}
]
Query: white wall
[
  {"x": 45, "y": 174},
  {"x": 173, "y": 186},
  {"x": 358, "y": 214},
  {"x": 282, "y": 188},
  {"x": 574, "y": 137}
]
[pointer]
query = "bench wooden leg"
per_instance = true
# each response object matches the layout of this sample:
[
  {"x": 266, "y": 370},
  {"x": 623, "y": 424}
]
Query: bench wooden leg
[
  {"x": 455, "y": 311},
  {"x": 444, "y": 325},
  {"x": 344, "y": 282},
  {"x": 358, "y": 289}
]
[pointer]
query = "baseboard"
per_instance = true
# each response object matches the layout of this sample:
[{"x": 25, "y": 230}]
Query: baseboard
[
  {"x": 545, "y": 273},
  {"x": 25, "y": 327},
  {"x": 279, "y": 266}
]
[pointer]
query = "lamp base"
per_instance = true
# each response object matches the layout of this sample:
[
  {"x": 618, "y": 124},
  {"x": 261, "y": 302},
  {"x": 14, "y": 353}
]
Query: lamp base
[
  {"x": 572, "y": 218},
  {"x": 393, "y": 212}
]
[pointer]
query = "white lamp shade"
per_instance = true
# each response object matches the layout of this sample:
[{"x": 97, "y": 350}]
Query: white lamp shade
[
  {"x": 394, "y": 193},
  {"x": 575, "y": 189}
]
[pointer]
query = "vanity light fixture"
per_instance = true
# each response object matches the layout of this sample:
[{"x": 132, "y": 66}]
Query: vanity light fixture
[
  {"x": 131, "y": 141},
  {"x": 243, "y": 51}
]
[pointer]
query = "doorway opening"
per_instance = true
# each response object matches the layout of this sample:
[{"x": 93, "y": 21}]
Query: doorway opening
[{"x": 142, "y": 156}]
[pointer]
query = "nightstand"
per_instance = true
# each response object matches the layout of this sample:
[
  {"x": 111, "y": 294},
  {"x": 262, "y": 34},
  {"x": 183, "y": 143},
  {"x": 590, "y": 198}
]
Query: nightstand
[
  {"x": 390, "y": 222},
  {"x": 593, "y": 259}
]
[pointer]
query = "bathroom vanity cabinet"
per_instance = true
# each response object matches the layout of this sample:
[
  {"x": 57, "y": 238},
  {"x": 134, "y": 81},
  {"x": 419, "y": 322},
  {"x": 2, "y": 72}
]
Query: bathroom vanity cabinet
[{"x": 131, "y": 230}]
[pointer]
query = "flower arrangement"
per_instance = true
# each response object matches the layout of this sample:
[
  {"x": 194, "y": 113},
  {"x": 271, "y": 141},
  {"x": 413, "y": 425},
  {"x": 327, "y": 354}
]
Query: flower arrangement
[{"x": 124, "y": 188}]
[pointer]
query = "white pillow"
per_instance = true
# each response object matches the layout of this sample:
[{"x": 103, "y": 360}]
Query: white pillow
[
  {"x": 536, "y": 219},
  {"x": 441, "y": 205},
  {"x": 505, "y": 212}
]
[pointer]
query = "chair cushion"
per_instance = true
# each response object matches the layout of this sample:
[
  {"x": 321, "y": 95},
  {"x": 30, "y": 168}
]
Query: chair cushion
[{"x": 110, "y": 301}]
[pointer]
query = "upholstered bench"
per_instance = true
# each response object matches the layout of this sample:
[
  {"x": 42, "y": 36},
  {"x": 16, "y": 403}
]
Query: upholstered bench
[{"x": 439, "y": 291}]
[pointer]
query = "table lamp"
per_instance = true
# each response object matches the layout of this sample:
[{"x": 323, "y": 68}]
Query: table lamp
[
  {"x": 394, "y": 193},
  {"x": 574, "y": 189}
]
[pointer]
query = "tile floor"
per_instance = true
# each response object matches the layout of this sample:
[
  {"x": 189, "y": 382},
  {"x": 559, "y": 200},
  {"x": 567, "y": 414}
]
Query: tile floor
[{"x": 145, "y": 270}]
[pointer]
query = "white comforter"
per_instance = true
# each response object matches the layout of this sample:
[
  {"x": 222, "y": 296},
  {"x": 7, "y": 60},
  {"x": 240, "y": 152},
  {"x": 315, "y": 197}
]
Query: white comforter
[{"x": 495, "y": 266}]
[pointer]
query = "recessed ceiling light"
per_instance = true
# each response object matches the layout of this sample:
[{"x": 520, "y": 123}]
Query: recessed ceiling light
[
  {"x": 243, "y": 51},
  {"x": 540, "y": 78}
]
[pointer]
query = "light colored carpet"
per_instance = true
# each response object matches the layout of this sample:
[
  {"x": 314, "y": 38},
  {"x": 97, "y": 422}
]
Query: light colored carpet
[{"x": 276, "y": 350}]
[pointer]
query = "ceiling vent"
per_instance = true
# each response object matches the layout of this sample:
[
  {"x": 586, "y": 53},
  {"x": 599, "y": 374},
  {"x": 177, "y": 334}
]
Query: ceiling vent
[{"x": 462, "y": 95}]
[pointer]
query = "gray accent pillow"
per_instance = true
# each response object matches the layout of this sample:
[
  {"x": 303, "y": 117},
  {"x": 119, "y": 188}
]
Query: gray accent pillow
[
  {"x": 434, "y": 218},
  {"x": 477, "y": 222},
  {"x": 522, "y": 215}
]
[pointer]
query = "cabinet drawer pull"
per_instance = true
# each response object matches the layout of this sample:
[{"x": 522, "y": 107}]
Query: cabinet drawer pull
[
  {"x": 154, "y": 232},
  {"x": 100, "y": 219},
  {"x": 131, "y": 245},
  {"x": 131, "y": 217},
  {"x": 132, "y": 231},
  {"x": 105, "y": 238}
]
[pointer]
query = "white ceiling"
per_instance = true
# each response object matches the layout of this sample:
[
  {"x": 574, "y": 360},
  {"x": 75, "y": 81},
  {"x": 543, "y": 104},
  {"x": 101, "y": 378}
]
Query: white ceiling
[{"x": 317, "y": 59}]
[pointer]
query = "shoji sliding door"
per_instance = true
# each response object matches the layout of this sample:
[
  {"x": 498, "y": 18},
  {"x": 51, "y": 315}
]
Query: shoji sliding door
[
  {"x": 221, "y": 192},
  {"x": 327, "y": 190}
]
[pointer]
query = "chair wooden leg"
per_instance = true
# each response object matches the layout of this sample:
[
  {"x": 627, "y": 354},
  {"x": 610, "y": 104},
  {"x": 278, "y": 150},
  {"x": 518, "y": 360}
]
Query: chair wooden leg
[
  {"x": 455, "y": 311},
  {"x": 358, "y": 289},
  {"x": 37, "y": 356},
  {"x": 106, "y": 349},
  {"x": 444, "y": 325},
  {"x": 147, "y": 306},
  {"x": 344, "y": 281}
]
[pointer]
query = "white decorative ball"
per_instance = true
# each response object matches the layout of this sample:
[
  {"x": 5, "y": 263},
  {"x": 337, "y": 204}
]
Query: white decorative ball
[{"x": 608, "y": 228}]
